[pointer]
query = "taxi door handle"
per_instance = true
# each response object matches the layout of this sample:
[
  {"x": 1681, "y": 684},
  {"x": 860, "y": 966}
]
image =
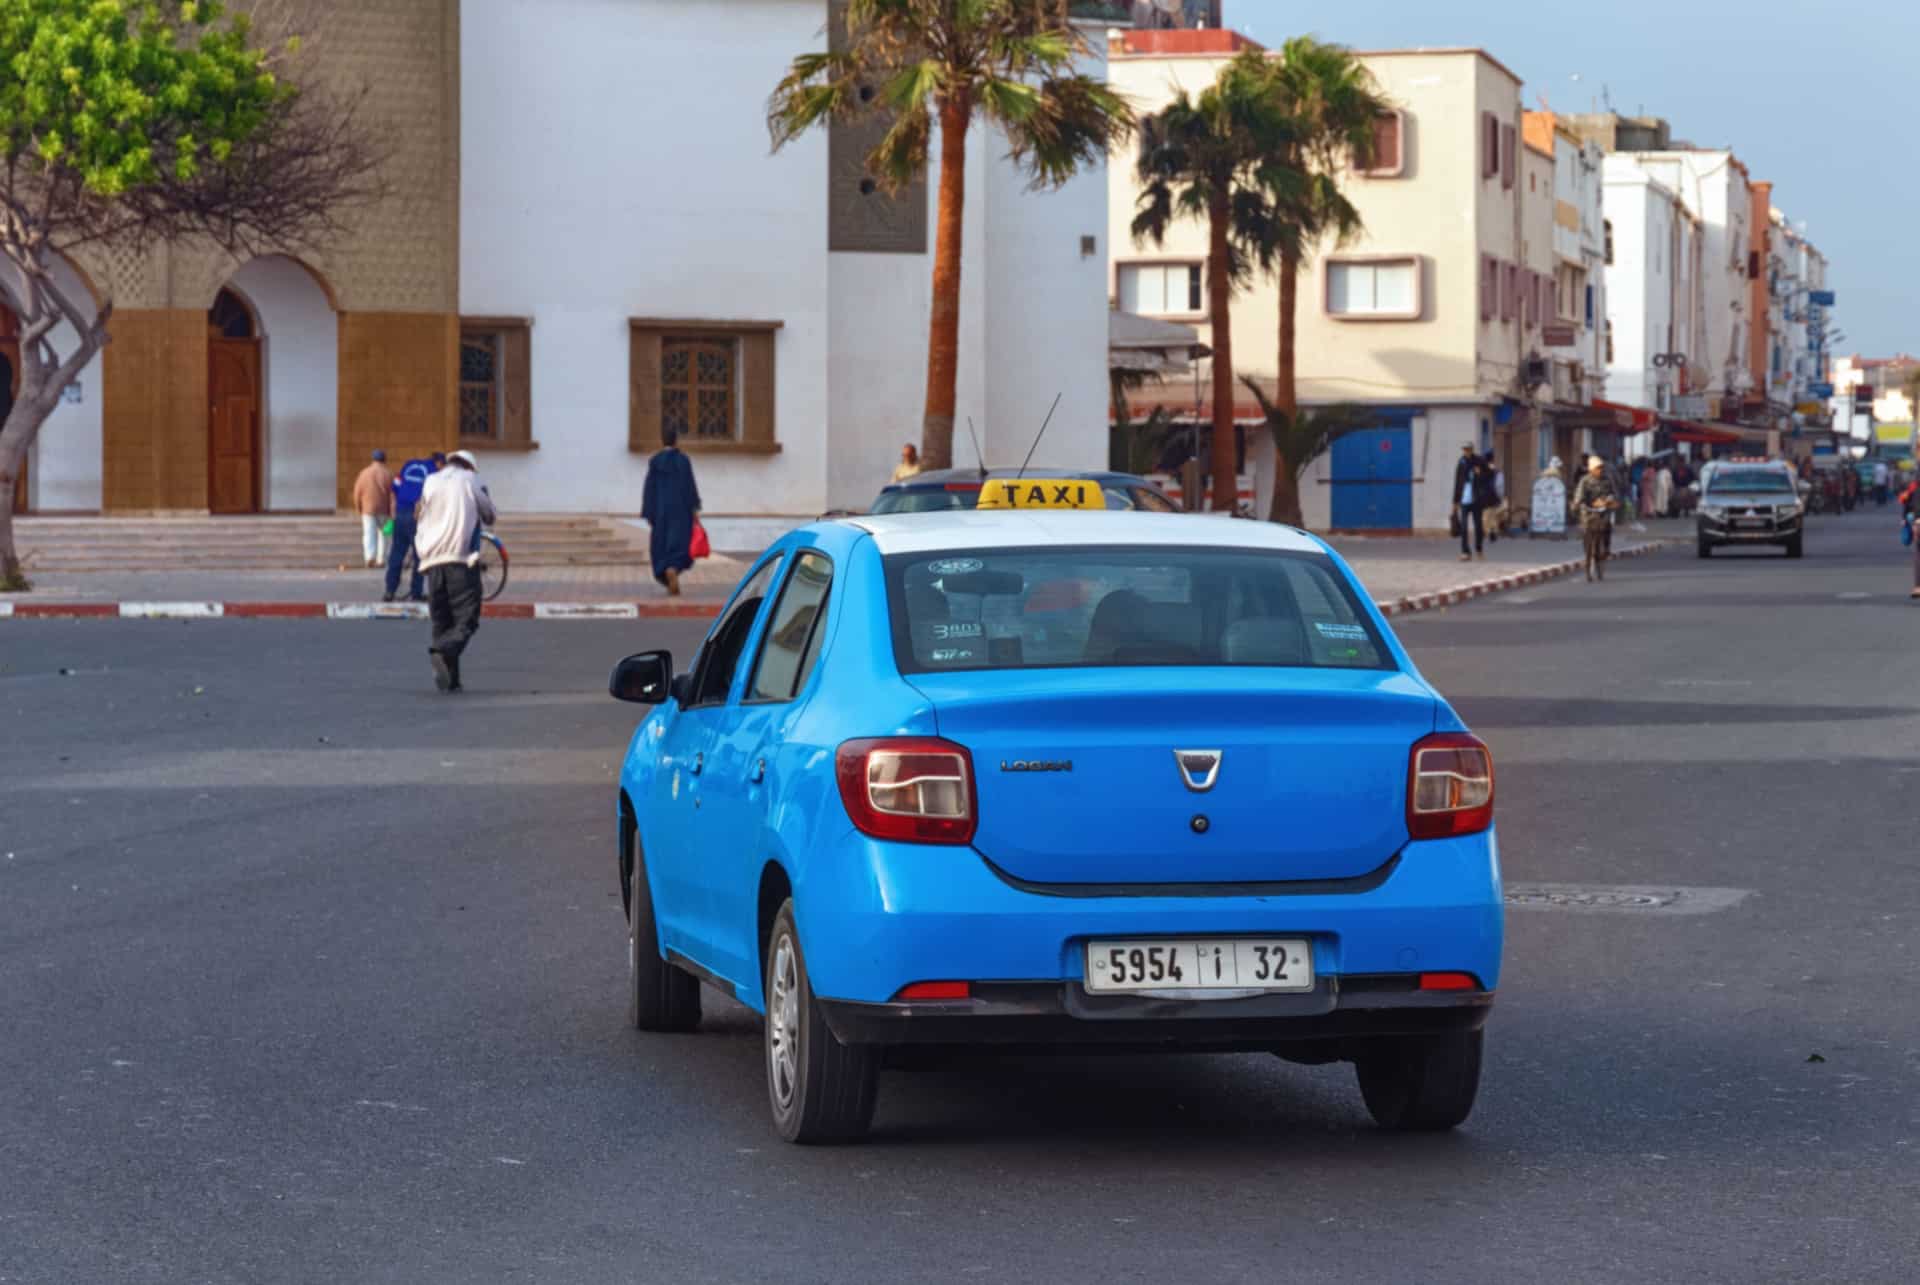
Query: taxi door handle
[
  {"x": 699, "y": 761},
  {"x": 759, "y": 772}
]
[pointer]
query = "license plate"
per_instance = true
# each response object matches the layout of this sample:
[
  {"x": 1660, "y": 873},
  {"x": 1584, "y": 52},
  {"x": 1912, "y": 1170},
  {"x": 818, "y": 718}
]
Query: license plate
[
  {"x": 1250, "y": 963},
  {"x": 1752, "y": 522}
]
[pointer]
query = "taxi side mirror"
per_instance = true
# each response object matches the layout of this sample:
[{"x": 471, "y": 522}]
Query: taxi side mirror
[{"x": 643, "y": 679}]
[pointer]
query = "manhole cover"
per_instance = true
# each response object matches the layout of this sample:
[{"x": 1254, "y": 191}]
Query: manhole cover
[{"x": 1606, "y": 898}]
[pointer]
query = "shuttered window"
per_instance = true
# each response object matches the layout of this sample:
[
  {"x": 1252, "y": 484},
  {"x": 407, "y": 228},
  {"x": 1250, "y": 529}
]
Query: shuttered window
[
  {"x": 496, "y": 383},
  {"x": 712, "y": 382},
  {"x": 1389, "y": 147}
]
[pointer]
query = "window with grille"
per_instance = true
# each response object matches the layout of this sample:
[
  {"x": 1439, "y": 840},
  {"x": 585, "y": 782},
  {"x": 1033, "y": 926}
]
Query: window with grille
[
  {"x": 699, "y": 388},
  {"x": 496, "y": 383},
  {"x": 711, "y": 382}
]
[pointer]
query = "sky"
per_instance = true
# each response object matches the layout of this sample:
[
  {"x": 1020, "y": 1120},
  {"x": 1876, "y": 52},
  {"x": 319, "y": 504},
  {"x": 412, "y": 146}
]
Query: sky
[{"x": 1822, "y": 100}]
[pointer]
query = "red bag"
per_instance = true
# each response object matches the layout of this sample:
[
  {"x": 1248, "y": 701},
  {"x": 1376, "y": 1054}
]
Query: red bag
[{"x": 699, "y": 546}]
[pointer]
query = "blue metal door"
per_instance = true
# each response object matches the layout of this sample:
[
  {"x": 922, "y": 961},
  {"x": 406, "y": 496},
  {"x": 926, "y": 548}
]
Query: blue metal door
[{"x": 1373, "y": 480}]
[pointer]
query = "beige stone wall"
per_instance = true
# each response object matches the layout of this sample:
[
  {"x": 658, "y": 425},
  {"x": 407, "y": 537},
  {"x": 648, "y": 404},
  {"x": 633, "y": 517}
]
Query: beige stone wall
[{"x": 397, "y": 259}]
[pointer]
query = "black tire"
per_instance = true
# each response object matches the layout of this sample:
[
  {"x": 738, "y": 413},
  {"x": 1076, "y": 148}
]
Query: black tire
[
  {"x": 1706, "y": 550},
  {"x": 1793, "y": 547},
  {"x": 660, "y": 997},
  {"x": 820, "y": 1090},
  {"x": 1423, "y": 1085},
  {"x": 494, "y": 565}
]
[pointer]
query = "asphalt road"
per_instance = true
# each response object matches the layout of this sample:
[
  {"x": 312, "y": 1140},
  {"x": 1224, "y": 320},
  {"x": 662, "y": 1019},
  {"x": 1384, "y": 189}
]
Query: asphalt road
[{"x": 308, "y": 973}]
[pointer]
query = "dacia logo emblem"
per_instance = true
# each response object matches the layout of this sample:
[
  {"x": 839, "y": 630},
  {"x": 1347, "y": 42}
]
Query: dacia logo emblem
[{"x": 1199, "y": 768}]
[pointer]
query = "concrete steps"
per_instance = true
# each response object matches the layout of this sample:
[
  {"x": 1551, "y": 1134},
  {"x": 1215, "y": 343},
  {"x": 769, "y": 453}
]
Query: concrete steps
[{"x": 298, "y": 543}]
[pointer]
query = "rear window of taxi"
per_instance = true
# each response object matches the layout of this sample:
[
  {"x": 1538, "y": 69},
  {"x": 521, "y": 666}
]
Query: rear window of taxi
[{"x": 1094, "y": 607}]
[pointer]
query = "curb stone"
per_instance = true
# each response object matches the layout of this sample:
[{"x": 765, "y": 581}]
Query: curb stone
[
  {"x": 1500, "y": 584},
  {"x": 647, "y": 610}
]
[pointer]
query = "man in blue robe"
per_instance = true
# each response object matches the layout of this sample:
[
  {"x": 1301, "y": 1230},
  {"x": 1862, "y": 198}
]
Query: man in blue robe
[{"x": 668, "y": 505}]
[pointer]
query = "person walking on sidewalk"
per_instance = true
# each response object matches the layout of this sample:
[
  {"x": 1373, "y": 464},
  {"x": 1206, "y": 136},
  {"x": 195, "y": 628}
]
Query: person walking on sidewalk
[
  {"x": 1594, "y": 500},
  {"x": 1909, "y": 500},
  {"x": 373, "y": 501},
  {"x": 1467, "y": 503},
  {"x": 453, "y": 508},
  {"x": 668, "y": 506},
  {"x": 1882, "y": 478},
  {"x": 406, "y": 498}
]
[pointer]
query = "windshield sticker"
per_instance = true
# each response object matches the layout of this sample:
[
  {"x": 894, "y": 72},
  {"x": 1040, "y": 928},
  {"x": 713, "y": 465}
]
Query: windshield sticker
[
  {"x": 945, "y": 655},
  {"x": 944, "y": 632},
  {"x": 956, "y": 566},
  {"x": 1354, "y": 632}
]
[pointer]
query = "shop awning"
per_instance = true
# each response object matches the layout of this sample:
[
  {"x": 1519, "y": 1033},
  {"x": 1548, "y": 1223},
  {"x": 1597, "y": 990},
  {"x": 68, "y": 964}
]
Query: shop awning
[
  {"x": 1688, "y": 430},
  {"x": 1628, "y": 419}
]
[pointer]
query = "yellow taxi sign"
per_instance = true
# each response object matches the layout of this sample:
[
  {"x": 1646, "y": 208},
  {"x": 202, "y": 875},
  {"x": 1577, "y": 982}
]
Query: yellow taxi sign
[{"x": 1041, "y": 493}]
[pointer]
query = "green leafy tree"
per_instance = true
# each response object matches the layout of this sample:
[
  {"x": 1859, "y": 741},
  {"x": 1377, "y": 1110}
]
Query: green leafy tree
[
  {"x": 127, "y": 122},
  {"x": 1214, "y": 158},
  {"x": 1134, "y": 445},
  {"x": 1332, "y": 106},
  {"x": 1302, "y": 436},
  {"x": 943, "y": 63}
]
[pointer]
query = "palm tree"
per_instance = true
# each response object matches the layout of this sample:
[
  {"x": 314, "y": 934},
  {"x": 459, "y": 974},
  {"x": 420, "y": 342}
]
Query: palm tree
[
  {"x": 1302, "y": 436},
  {"x": 1213, "y": 159},
  {"x": 1333, "y": 107},
  {"x": 942, "y": 63}
]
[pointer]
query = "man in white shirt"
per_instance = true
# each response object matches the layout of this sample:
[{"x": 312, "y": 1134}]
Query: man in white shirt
[
  {"x": 1882, "y": 479},
  {"x": 453, "y": 506}
]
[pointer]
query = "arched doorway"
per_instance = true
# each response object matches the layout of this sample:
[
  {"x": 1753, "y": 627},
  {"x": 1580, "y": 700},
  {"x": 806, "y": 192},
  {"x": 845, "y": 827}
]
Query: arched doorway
[
  {"x": 233, "y": 399},
  {"x": 283, "y": 310}
]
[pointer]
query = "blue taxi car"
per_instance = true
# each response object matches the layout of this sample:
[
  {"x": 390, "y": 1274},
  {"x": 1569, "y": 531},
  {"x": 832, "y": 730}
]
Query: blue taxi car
[{"x": 1043, "y": 778}]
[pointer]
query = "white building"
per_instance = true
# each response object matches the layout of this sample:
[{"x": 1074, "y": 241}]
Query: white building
[
  {"x": 1654, "y": 262},
  {"x": 589, "y": 239},
  {"x": 608, "y": 243}
]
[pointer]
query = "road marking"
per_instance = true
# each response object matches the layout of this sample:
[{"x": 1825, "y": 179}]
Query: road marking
[
  {"x": 1853, "y": 595},
  {"x": 1605, "y": 898},
  {"x": 171, "y": 611}
]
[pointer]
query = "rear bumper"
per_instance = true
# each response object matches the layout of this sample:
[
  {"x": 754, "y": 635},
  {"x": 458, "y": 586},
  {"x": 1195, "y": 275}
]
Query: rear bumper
[
  {"x": 875, "y": 917},
  {"x": 1342, "y": 1012}
]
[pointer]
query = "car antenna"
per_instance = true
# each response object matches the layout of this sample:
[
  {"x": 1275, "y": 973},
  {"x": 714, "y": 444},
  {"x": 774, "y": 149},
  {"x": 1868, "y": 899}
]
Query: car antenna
[
  {"x": 979, "y": 456},
  {"x": 1042, "y": 433}
]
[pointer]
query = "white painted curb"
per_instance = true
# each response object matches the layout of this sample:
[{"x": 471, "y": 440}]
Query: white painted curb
[
  {"x": 172, "y": 610},
  {"x": 6, "y": 609},
  {"x": 376, "y": 611},
  {"x": 586, "y": 610}
]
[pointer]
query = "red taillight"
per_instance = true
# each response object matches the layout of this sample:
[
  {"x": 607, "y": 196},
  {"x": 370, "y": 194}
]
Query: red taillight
[
  {"x": 1449, "y": 982},
  {"x": 915, "y": 789},
  {"x": 1449, "y": 787},
  {"x": 936, "y": 990}
]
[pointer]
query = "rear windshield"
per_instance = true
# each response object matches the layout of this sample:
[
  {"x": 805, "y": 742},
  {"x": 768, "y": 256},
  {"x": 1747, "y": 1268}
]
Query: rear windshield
[
  {"x": 1048, "y": 608},
  {"x": 926, "y": 499},
  {"x": 1749, "y": 480}
]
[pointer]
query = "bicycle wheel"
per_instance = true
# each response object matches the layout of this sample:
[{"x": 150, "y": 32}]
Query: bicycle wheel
[{"x": 493, "y": 566}]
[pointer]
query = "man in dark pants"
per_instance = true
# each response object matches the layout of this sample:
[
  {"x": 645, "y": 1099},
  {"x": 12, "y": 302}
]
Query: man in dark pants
[
  {"x": 407, "y": 487},
  {"x": 1468, "y": 502},
  {"x": 453, "y": 506}
]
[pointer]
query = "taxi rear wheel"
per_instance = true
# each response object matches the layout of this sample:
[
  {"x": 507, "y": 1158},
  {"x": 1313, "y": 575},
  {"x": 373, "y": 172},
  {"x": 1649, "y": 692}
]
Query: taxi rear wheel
[
  {"x": 1423, "y": 1085},
  {"x": 820, "y": 1090},
  {"x": 660, "y": 997}
]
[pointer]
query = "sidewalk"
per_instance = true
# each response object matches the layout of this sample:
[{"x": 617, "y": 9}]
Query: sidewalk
[{"x": 1402, "y": 574}]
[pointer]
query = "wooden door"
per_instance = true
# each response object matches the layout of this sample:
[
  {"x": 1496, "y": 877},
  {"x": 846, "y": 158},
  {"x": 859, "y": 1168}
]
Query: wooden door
[{"x": 233, "y": 425}]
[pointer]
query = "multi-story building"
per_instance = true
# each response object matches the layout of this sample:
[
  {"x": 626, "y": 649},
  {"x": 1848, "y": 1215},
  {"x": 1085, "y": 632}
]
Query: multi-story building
[
  {"x": 1656, "y": 315},
  {"x": 555, "y": 305},
  {"x": 1433, "y": 320}
]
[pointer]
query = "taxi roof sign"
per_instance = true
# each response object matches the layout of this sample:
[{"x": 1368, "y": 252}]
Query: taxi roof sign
[{"x": 1041, "y": 493}]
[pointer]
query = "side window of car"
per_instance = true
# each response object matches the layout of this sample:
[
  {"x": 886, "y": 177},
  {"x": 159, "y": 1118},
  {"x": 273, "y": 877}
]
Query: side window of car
[
  {"x": 792, "y": 640},
  {"x": 720, "y": 658}
]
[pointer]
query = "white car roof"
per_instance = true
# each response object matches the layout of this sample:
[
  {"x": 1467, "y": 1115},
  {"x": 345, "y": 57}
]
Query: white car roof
[{"x": 1006, "y": 528}]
